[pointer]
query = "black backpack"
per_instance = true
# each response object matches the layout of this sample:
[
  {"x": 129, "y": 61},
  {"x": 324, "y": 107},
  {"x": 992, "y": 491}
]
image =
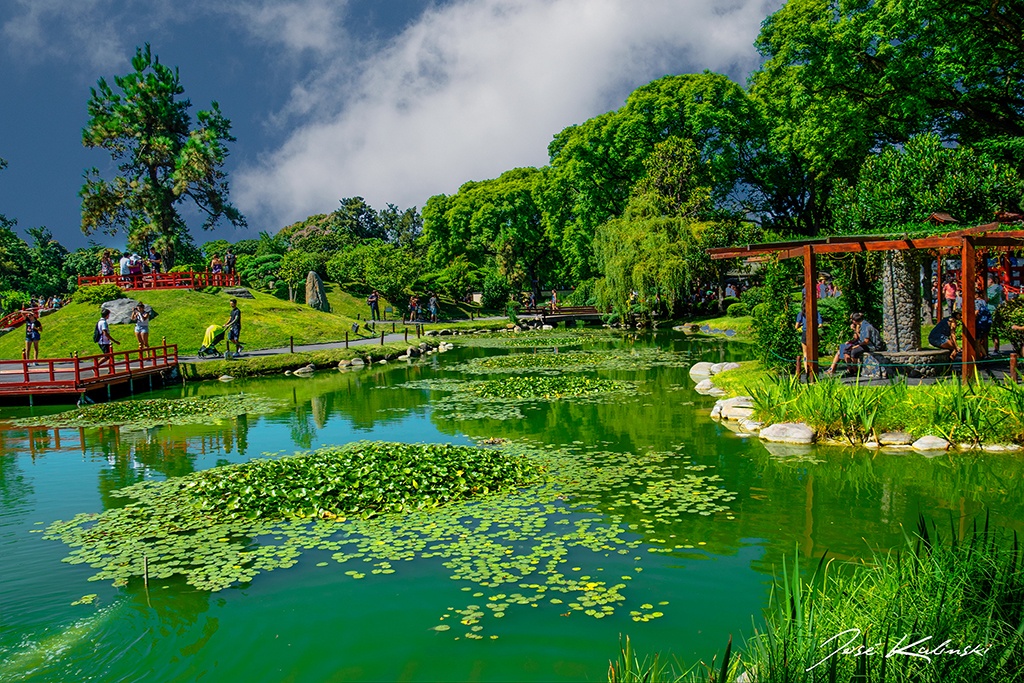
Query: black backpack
[{"x": 96, "y": 335}]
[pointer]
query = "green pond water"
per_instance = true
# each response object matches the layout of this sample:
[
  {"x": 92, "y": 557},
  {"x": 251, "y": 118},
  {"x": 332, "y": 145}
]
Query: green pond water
[{"x": 657, "y": 523}]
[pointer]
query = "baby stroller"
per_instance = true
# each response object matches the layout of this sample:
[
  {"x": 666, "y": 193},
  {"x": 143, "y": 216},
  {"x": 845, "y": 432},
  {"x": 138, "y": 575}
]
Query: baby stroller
[{"x": 214, "y": 335}]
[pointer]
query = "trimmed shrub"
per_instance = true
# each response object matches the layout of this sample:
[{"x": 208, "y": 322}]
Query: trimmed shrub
[
  {"x": 97, "y": 294},
  {"x": 737, "y": 310}
]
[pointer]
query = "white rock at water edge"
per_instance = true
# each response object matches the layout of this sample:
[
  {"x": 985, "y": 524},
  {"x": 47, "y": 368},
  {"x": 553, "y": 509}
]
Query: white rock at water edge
[
  {"x": 895, "y": 439},
  {"x": 1001, "y": 447},
  {"x": 225, "y": 378},
  {"x": 704, "y": 386},
  {"x": 931, "y": 443},
  {"x": 737, "y": 413},
  {"x": 702, "y": 369},
  {"x": 716, "y": 368},
  {"x": 788, "y": 432}
]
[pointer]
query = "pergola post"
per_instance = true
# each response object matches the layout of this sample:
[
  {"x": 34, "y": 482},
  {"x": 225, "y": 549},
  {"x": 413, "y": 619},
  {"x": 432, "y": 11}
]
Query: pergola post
[
  {"x": 969, "y": 282},
  {"x": 938, "y": 286},
  {"x": 811, "y": 309}
]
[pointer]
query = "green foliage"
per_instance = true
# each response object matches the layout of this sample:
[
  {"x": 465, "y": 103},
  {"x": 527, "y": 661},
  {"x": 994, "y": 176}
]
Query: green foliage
[
  {"x": 1008, "y": 314},
  {"x": 777, "y": 342},
  {"x": 13, "y": 300},
  {"x": 971, "y": 413},
  {"x": 737, "y": 310},
  {"x": 85, "y": 261},
  {"x": 457, "y": 278},
  {"x": 547, "y": 388},
  {"x": 97, "y": 294},
  {"x": 901, "y": 187},
  {"x": 835, "y": 317},
  {"x": 965, "y": 593},
  {"x": 200, "y": 526},
  {"x": 295, "y": 266},
  {"x": 15, "y": 259},
  {"x": 163, "y": 160},
  {"x": 497, "y": 290},
  {"x": 261, "y": 272},
  {"x": 496, "y": 220},
  {"x": 146, "y": 413}
]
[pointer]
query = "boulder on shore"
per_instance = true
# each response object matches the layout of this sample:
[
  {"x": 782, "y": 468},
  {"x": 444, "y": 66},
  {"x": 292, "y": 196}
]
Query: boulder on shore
[
  {"x": 931, "y": 443},
  {"x": 788, "y": 432},
  {"x": 121, "y": 311},
  {"x": 701, "y": 370}
]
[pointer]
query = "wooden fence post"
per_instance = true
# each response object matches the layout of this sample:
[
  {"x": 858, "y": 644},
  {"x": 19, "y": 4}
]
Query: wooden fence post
[
  {"x": 291, "y": 344},
  {"x": 382, "y": 339},
  {"x": 346, "y": 339}
]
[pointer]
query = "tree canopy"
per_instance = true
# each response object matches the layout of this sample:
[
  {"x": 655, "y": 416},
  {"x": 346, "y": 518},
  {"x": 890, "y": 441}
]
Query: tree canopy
[{"x": 163, "y": 161}]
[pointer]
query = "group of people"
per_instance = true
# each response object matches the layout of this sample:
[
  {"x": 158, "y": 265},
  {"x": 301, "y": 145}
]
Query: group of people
[
  {"x": 416, "y": 308},
  {"x": 130, "y": 265},
  {"x": 140, "y": 318},
  {"x": 225, "y": 267}
]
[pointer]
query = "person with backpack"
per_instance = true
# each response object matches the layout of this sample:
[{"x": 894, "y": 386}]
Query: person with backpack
[
  {"x": 982, "y": 324},
  {"x": 101, "y": 335},
  {"x": 373, "y": 301}
]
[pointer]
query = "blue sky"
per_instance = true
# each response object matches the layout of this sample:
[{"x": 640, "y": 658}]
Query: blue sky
[{"x": 393, "y": 100}]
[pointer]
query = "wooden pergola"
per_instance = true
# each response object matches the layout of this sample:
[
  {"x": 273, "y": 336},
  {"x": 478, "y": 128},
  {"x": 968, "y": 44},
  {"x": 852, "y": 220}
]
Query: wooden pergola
[{"x": 968, "y": 242}]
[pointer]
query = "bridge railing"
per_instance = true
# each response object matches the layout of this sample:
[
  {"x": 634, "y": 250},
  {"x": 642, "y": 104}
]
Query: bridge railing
[
  {"x": 84, "y": 370},
  {"x": 18, "y": 317},
  {"x": 187, "y": 280}
]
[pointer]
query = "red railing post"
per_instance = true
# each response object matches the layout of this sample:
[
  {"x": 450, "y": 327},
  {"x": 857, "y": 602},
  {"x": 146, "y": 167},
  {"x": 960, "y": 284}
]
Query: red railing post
[{"x": 78, "y": 370}]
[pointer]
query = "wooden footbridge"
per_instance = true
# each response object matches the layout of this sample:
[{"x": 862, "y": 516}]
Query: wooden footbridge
[
  {"x": 566, "y": 314},
  {"x": 23, "y": 380}
]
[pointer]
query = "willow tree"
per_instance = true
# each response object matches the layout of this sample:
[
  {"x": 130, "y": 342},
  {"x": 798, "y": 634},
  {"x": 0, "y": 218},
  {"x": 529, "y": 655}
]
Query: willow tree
[{"x": 163, "y": 160}]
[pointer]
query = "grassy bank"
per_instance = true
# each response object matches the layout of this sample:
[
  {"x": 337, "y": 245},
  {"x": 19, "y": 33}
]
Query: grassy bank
[
  {"x": 971, "y": 413},
  {"x": 182, "y": 317},
  {"x": 255, "y": 366},
  {"x": 742, "y": 325}
]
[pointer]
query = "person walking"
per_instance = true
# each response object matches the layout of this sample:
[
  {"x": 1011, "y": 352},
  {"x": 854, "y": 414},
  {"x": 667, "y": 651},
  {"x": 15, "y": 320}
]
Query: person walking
[
  {"x": 374, "y": 303},
  {"x": 33, "y": 330},
  {"x": 106, "y": 343},
  {"x": 140, "y": 316},
  {"x": 234, "y": 325}
]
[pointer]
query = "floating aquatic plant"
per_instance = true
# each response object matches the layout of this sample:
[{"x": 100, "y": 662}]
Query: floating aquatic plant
[
  {"x": 146, "y": 413},
  {"x": 604, "y": 359},
  {"x": 510, "y": 549}
]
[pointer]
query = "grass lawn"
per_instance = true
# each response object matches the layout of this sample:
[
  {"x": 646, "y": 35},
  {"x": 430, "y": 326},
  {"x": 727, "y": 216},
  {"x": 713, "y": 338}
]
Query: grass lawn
[
  {"x": 736, "y": 381},
  {"x": 743, "y": 325},
  {"x": 183, "y": 316}
]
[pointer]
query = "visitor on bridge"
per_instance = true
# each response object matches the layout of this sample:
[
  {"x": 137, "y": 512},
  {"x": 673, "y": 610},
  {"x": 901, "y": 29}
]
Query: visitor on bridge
[
  {"x": 33, "y": 332},
  {"x": 229, "y": 262},
  {"x": 141, "y": 319},
  {"x": 106, "y": 343},
  {"x": 124, "y": 269},
  {"x": 943, "y": 335},
  {"x": 155, "y": 260},
  {"x": 234, "y": 325},
  {"x": 106, "y": 264},
  {"x": 216, "y": 267}
]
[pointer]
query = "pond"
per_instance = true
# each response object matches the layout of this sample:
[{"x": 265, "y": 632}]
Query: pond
[{"x": 656, "y": 522}]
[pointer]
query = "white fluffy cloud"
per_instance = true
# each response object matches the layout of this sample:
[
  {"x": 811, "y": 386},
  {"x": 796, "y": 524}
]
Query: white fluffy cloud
[{"x": 477, "y": 87}]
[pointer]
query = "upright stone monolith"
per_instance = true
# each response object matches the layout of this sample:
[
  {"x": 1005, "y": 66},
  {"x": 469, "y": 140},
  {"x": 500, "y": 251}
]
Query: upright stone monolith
[{"x": 316, "y": 295}]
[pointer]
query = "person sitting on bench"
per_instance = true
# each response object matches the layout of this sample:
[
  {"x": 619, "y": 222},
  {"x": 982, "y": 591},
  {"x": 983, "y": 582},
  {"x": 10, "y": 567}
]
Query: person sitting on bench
[
  {"x": 943, "y": 335},
  {"x": 866, "y": 339}
]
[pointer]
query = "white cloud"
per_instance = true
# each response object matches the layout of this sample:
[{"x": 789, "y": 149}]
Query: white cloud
[{"x": 478, "y": 87}]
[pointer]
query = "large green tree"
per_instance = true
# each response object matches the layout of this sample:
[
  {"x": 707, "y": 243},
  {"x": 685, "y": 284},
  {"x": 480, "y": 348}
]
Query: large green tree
[
  {"x": 496, "y": 220},
  {"x": 595, "y": 165},
  {"x": 163, "y": 160}
]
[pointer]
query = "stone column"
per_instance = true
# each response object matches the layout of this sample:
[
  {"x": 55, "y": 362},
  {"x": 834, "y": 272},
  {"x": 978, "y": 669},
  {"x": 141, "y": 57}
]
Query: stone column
[{"x": 901, "y": 301}]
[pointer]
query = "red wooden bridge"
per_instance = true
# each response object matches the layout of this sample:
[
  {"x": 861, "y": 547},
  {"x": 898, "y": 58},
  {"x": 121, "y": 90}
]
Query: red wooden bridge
[
  {"x": 188, "y": 280},
  {"x": 82, "y": 374}
]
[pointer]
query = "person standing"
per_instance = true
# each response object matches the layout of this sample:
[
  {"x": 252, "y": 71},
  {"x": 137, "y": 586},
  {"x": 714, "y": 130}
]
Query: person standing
[
  {"x": 801, "y": 326},
  {"x": 234, "y": 325},
  {"x": 140, "y": 316},
  {"x": 374, "y": 302},
  {"x": 155, "y": 260},
  {"x": 229, "y": 262},
  {"x": 949, "y": 294},
  {"x": 432, "y": 305},
  {"x": 995, "y": 296},
  {"x": 124, "y": 268},
  {"x": 33, "y": 330},
  {"x": 554, "y": 300},
  {"x": 106, "y": 264},
  {"x": 105, "y": 341}
]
